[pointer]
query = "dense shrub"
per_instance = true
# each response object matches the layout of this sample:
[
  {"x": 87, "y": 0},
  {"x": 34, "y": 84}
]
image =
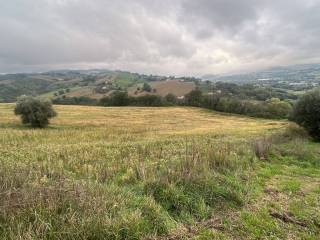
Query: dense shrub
[
  {"x": 75, "y": 101},
  {"x": 306, "y": 113},
  {"x": 271, "y": 108},
  {"x": 147, "y": 87},
  {"x": 171, "y": 99},
  {"x": 122, "y": 99},
  {"x": 278, "y": 108},
  {"x": 61, "y": 92},
  {"x": 34, "y": 111},
  {"x": 116, "y": 99},
  {"x": 149, "y": 101},
  {"x": 194, "y": 98}
]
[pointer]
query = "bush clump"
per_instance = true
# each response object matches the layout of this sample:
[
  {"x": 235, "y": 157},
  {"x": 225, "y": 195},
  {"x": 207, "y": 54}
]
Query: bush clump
[
  {"x": 306, "y": 113},
  {"x": 34, "y": 111}
]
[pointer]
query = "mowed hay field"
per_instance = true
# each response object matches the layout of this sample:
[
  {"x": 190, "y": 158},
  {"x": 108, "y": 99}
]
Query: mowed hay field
[{"x": 156, "y": 173}]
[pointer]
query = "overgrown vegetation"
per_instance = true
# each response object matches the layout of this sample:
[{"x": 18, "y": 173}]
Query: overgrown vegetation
[
  {"x": 35, "y": 112},
  {"x": 122, "y": 99},
  {"x": 76, "y": 101},
  {"x": 271, "y": 108},
  {"x": 306, "y": 113},
  {"x": 156, "y": 173}
]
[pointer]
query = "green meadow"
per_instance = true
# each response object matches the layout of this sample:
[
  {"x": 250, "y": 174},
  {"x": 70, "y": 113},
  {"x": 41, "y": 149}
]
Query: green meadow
[{"x": 157, "y": 173}]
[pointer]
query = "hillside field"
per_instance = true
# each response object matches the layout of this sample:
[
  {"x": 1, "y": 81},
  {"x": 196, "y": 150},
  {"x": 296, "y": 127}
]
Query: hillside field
[
  {"x": 163, "y": 88},
  {"x": 157, "y": 173}
]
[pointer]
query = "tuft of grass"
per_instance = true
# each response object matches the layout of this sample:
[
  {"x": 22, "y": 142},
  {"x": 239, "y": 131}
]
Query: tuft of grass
[
  {"x": 259, "y": 225},
  {"x": 261, "y": 148}
]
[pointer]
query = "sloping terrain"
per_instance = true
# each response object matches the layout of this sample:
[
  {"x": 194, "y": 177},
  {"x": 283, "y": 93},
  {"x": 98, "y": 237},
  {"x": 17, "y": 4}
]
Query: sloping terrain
[
  {"x": 91, "y": 83},
  {"x": 282, "y": 82},
  {"x": 156, "y": 173},
  {"x": 162, "y": 88},
  {"x": 175, "y": 87}
]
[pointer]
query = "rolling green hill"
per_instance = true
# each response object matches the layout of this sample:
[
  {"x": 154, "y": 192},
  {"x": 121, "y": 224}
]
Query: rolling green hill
[
  {"x": 282, "y": 82},
  {"x": 90, "y": 83}
]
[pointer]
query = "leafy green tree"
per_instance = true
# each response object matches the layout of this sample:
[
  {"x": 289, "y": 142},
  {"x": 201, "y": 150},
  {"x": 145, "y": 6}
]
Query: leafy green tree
[
  {"x": 120, "y": 99},
  {"x": 211, "y": 101},
  {"x": 277, "y": 108},
  {"x": 61, "y": 92},
  {"x": 34, "y": 111},
  {"x": 306, "y": 113},
  {"x": 170, "y": 98},
  {"x": 147, "y": 87},
  {"x": 75, "y": 101},
  {"x": 117, "y": 98},
  {"x": 194, "y": 98},
  {"x": 149, "y": 100}
]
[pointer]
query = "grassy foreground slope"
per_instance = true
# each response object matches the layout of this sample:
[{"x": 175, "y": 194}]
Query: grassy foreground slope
[{"x": 156, "y": 173}]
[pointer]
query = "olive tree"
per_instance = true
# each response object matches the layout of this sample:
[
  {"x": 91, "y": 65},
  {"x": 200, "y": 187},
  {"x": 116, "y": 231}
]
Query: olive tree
[
  {"x": 306, "y": 113},
  {"x": 34, "y": 111}
]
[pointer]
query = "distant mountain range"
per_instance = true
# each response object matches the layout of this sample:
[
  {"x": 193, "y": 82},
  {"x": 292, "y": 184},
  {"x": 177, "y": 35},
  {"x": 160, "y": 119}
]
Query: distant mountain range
[
  {"x": 97, "y": 83},
  {"x": 93, "y": 83},
  {"x": 304, "y": 72}
]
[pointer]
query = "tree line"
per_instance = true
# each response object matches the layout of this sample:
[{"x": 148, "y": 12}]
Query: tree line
[
  {"x": 271, "y": 108},
  {"x": 305, "y": 112}
]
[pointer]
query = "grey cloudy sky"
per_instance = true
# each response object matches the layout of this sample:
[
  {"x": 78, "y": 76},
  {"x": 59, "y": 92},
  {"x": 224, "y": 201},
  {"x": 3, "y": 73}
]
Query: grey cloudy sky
[{"x": 181, "y": 37}]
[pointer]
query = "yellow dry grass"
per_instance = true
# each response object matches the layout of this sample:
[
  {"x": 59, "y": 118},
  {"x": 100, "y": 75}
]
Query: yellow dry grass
[
  {"x": 144, "y": 121},
  {"x": 163, "y": 88},
  {"x": 92, "y": 172},
  {"x": 176, "y": 87}
]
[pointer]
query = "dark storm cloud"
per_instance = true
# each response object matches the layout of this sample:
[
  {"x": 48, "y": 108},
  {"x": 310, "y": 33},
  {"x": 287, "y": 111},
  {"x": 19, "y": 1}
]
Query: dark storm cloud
[{"x": 168, "y": 37}]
